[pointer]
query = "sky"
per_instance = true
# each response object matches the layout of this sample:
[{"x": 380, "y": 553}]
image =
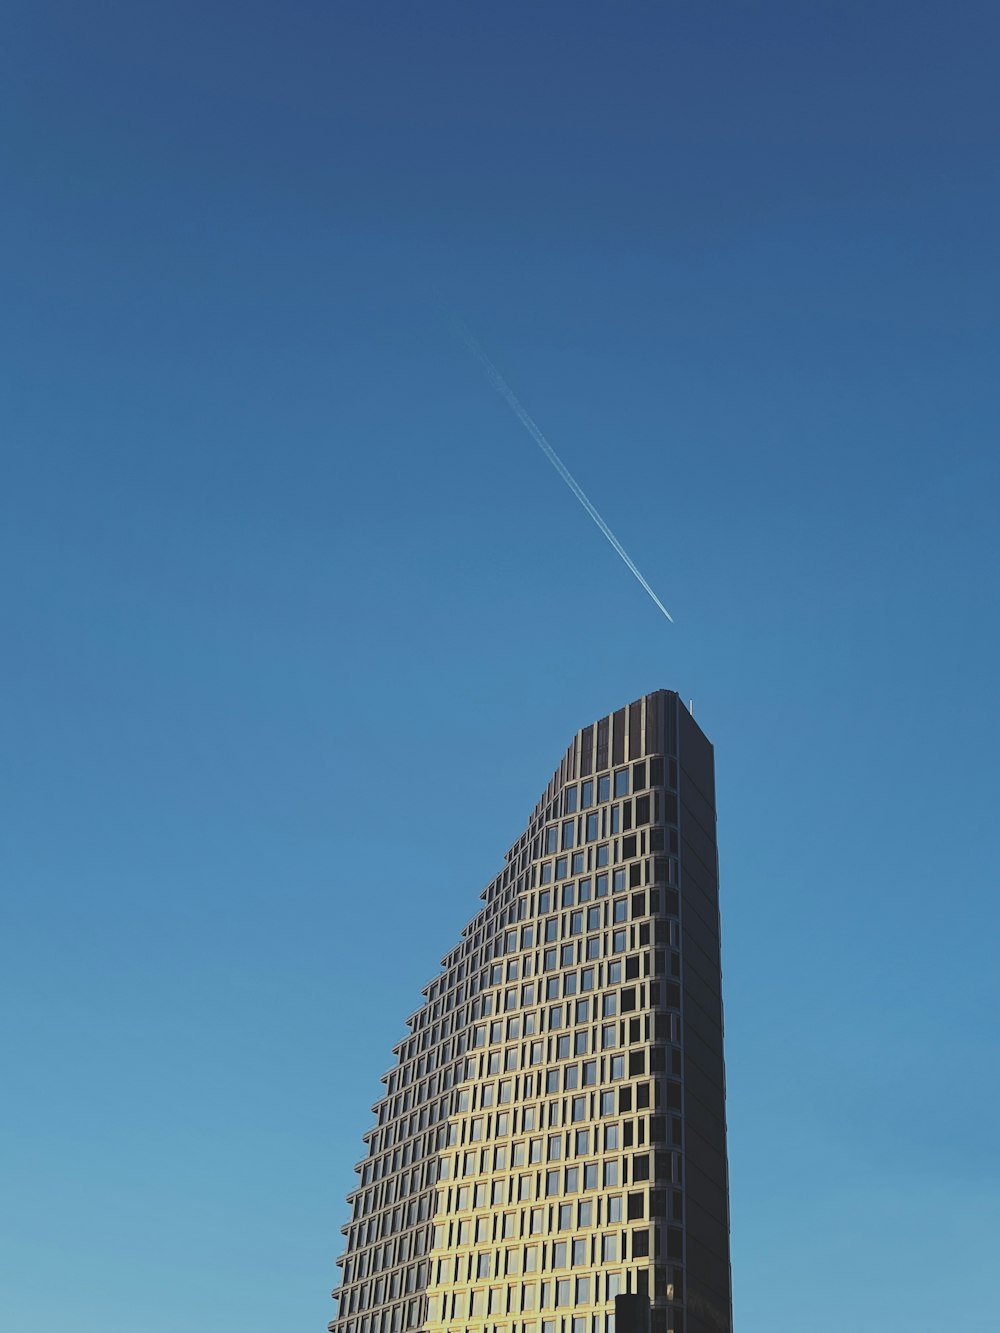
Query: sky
[{"x": 297, "y": 620}]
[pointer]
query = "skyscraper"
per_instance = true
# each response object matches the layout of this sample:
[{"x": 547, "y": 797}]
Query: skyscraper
[{"x": 552, "y": 1133}]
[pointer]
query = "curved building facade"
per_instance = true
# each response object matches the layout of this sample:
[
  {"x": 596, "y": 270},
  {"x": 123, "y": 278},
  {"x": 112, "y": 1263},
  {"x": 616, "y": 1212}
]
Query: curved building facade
[{"x": 552, "y": 1133}]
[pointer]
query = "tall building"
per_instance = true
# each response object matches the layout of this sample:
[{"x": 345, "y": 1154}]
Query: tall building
[{"x": 552, "y": 1133}]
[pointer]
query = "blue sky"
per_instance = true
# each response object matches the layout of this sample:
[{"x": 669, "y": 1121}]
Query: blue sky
[{"x": 297, "y": 620}]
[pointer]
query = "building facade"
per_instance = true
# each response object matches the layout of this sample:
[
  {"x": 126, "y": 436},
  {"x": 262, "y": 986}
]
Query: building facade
[{"x": 552, "y": 1133}]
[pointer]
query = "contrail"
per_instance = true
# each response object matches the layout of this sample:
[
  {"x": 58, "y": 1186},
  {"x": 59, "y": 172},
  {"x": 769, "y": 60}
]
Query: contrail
[{"x": 507, "y": 393}]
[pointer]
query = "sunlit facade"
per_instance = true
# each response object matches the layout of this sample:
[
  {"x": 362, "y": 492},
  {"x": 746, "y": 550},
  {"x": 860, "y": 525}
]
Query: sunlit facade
[{"x": 552, "y": 1132}]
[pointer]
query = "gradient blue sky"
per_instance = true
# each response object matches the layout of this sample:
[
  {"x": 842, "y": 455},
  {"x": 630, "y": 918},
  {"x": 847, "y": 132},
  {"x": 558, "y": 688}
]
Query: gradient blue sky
[{"x": 297, "y": 620}]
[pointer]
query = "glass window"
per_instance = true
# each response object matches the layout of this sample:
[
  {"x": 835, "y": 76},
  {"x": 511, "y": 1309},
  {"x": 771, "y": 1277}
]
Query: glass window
[
  {"x": 615, "y": 1208},
  {"x": 562, "y": 1047},
  {"x": 562, "y": 867},
  {"x": 621, "y": 909},
  {"x": 579, "y": 1103},
  {"x": 585, "y": 889},
  {"x": 614, "y": 973},
  {"x": 565, "y": 1216},
  {"x": 578, "y": 865},
  {"x": 569, "y": 800},
  {"x": 552, "y": 1183},
  {"x": 593, "y": 948},
  {"x": 559, "y": 1254},
  {"x": 610, "y": 1137},
  {"x": 593, "y": 827},
  {"x": 586, "y": 1215},
  {"x": 589, "y": 1073},
  {"x": 587, "y": 979},
  {"x": 581, "y": 1043},
  {"x": 619, "y": 880},
  {"x": 590, "y": 1176},
  {"x": 609, "y": 1249},
  {"x": 572, "y": 1077},
  {"x": 552, "y": 1080},
  {"x": 607, "y": 1103},
  {"x": 621, "y": 782},
  {"x": 572, "y": 1179},
  {"x": 556, "y": 1016},
  {"x": 587, "y": 794},
  {"x": 582, "y": 1298},
  {"x": 576, "y": 922},
  {"x": 583, "y": 1011},
  {"x": 618, "y": 1066},
  {"x": 551, "y": 929},
  {"x": 546, "y": 872},
  {"x": 610, "y": 1174},
  {"x": 568, "y": 834},
  {"x": 562, "y": 1291},
  {"x": 544, "y": 901},
  {"x": 610, "y": 1005},
  {"x": 602, "y": 855},
  {"x": 551, "y": 839}
]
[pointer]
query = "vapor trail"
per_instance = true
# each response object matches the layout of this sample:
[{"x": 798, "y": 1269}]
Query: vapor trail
[{"x": 507, "y": 393}]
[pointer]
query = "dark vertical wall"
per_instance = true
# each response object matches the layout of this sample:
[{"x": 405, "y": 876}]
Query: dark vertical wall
[{"x": 706, "y": 1192}]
